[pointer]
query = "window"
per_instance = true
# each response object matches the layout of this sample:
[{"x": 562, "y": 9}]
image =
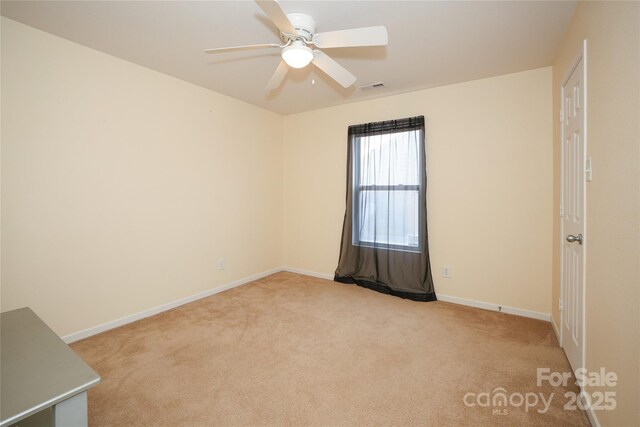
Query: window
[
  {"x": 387, "y": 187},
  {"x": 384, "y": 244}
]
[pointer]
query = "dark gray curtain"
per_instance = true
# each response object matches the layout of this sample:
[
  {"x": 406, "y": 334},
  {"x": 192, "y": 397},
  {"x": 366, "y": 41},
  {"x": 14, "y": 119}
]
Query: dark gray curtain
[{"x": 384, "y": 236}]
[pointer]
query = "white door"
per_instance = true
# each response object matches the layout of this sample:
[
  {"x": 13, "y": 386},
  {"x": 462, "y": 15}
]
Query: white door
[{"x": 573, "y": 214}]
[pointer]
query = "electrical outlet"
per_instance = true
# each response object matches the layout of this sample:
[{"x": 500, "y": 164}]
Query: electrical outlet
[
  {"x": 446, "y": 272},
  {"x": 221, "y": 264}
]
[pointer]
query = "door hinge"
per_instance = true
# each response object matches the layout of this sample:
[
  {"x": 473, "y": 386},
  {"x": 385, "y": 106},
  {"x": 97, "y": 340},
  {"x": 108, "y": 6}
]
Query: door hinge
[
  {"x": 561, "y": 116},
  {"x": 560, "y": 305},
  {"x": 588, "y": 171},
  {"x": 561, "y": 210}
]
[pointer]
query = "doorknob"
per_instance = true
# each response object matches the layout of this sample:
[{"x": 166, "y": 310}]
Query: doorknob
[{"x": 571, "y": 238}]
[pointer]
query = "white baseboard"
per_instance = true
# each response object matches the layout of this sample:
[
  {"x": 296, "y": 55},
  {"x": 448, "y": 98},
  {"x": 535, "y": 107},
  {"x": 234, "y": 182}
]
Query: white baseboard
[
  {"x": 593, "y": 419},
  {"x": 308, "y": 273},
  {"x": 76, "y": 336},
  {"x": 555, "y": 329},
  {"x": 448, "y": 298},
  {"x": 495, "y": 307}
]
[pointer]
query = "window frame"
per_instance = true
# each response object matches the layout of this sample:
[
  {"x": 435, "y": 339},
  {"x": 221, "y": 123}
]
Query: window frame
[{"x": 358, "y": 189}]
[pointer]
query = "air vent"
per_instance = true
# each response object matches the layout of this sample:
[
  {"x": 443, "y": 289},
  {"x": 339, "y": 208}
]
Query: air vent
[{"x": 376, "y": 85}]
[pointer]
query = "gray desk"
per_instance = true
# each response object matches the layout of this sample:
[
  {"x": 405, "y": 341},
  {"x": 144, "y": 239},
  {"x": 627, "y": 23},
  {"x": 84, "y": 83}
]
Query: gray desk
[{"x": 39, "y": 371}]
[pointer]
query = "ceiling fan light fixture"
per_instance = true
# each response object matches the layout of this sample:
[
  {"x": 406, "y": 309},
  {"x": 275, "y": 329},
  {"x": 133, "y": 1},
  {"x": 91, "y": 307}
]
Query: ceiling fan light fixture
[
  {"x": 297, "y": 55},
  {"x": 298, "y": 32}
]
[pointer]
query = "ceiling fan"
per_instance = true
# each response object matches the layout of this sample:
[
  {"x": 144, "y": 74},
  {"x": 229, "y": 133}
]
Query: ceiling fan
[{"x": 298, "y": 32}]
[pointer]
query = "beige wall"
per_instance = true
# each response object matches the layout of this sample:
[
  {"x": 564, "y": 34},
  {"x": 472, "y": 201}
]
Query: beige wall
[
  {"x": 489, "y": 166},
  {"x": 612, "y": 31},
  {"x": 122, "y": 187}
]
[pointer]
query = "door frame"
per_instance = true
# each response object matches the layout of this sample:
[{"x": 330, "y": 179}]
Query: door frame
[{"x": 580, "y": 56}]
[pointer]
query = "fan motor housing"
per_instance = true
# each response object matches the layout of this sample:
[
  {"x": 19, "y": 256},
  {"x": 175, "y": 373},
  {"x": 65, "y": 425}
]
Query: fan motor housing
[{"x": 304, "y": 24}]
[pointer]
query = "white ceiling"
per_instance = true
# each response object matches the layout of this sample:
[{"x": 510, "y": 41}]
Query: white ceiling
[{"x": 431, "y": 43}]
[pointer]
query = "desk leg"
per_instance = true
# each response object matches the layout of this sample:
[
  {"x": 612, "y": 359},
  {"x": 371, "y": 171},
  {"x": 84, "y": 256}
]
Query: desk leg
[{"x": 71, "y": 412}]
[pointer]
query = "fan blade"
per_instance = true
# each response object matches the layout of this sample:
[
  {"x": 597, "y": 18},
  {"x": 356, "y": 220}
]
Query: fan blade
[
  {"x": 334, "y": 70},
  {"x": 367, "y": 36},
  {"x": 249, "y": 46},
  {"x": 277, "y": 77},
  {"x": 277, "y": 15}
]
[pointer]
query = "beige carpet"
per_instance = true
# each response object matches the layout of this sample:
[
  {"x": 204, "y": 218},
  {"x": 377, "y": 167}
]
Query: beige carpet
[{"x": 295, "y": 350}]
